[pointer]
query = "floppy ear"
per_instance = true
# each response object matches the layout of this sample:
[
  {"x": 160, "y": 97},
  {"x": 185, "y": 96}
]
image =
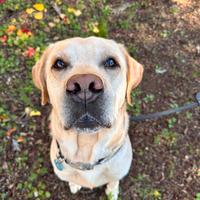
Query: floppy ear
[
  {"x": 38, "y": 74},
  {"x": 134, "y": 75}
]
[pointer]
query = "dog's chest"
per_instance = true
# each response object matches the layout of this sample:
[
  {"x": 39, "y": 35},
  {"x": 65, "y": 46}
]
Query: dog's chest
[{"x": 115, "y": 168}]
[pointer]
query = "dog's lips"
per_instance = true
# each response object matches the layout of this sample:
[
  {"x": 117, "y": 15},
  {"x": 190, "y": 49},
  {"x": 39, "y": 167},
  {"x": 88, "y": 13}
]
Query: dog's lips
[{"x": 87, "y": 122}]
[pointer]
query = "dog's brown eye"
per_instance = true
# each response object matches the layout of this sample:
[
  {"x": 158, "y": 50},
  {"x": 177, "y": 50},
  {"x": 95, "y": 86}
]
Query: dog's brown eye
[
  {"x": 59, "y": 64},
  {"x": 111, "y": 63}
]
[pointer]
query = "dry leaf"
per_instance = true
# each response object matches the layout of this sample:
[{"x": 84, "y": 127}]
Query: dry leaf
[
  {"x": 28, "y": 110},
  {"x": 20, "y": 139},
  {"x": 77, "y": 13},
  {"x": 10, "y": 132},
  {"x": 34, "y": 113},
  {"x": 29, "y": 11},
  {"x": 74, "y": 11},
  {"x": 11, "y": 29},
  {"x": 38, "y": 15},
  {"x": 3, "y": 117}
]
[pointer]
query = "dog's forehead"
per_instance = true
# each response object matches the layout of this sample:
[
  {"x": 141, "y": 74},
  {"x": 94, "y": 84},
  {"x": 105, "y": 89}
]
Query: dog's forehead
[{"x": 91, "y": 48}]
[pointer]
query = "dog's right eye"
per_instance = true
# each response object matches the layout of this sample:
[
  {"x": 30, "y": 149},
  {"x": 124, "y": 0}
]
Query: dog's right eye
[
  {"x": 111, "y": 63},
  {"x": 59, "y": 65}
]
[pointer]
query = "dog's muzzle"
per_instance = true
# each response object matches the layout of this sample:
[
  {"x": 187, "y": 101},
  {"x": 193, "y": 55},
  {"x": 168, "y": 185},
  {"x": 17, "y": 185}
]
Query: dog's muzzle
[{"x": 84, "y": 90}]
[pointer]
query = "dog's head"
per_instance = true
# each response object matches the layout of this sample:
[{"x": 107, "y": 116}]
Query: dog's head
[{"x": 87, "y": 81}]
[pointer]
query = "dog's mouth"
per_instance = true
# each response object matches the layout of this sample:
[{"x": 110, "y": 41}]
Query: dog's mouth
[{"x": 87, "y": 123}]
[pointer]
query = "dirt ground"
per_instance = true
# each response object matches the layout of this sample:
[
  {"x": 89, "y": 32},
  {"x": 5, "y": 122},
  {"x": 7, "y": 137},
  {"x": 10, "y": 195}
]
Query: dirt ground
[{"x": 165, "y": 37}]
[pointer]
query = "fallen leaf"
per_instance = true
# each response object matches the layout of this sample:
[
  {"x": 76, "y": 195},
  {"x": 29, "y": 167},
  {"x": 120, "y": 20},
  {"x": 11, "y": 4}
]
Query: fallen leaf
[
  {"x": 10, "y": 132},
  {"x": 56, "y": 20},
  {"x": 95, "y": 29},
  {"x": 11, "y": 29},
  {"x": 20, "y": 139},
  {"x": 38, "y": 15},
  {"x": 34, "y": 113},
  {"x": 3, "y": 39},
  {"x": 29, "y": 11},
  {"x": 156, "y": 194},
  {"x": 70, "y": 10},
  {"x": 19, "y": 33},
  {"x": 62, "y": 16},
  {"x": 66, "y": 20},
  {"x": 30, "y": 52},
  {"x": 13, "y": 20},
  {"x": 74, "y": 11},
  {"x": 51, "y": 24},
  {"x": 3, "y": 117},
  {"x": 17, "y": 7},
  {"x": 28, "y": 110},
  {"x": 39, "y": 6},
  {"x": 77, "y": 13},
  {"x": 26, "y": 31}
]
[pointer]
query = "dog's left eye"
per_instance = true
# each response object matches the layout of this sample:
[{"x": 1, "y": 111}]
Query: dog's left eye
[
  {"x": 111, "y": 63},
  {"x": 59, "y": 64}
]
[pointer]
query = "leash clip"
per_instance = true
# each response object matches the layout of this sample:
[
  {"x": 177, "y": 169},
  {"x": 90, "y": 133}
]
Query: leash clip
[{"x": 198, "y": 97}]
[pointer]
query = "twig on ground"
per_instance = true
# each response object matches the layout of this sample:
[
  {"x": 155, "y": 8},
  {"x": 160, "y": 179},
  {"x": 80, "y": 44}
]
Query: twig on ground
[
  {"x": 57, "y": 9},
  {"x": 120, "y": 9}
]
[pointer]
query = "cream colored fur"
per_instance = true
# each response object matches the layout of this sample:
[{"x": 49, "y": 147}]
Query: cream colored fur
[{"x": 84, "y": 56}]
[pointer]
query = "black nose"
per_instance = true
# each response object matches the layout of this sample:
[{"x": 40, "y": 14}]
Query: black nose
[{"x": 85, "y": 87}]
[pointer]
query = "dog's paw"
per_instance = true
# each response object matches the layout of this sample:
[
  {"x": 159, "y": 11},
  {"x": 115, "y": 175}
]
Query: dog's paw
[
  {"x": 74, "y": 188},
  {"x": 112, "y": 190}
]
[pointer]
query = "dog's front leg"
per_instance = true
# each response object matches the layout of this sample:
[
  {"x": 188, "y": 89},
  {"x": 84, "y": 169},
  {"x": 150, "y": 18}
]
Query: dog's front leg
[
  {"x": 74, "y": 188},
  {"x": 112, "y": 190}
]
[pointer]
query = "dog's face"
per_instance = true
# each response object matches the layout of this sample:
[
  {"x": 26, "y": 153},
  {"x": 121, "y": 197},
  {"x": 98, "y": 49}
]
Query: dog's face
[{"x": 87, "y": 81}]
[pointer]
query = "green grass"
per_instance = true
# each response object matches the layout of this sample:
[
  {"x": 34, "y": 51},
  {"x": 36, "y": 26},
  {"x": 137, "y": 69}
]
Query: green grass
[
  {"x": 144, "y": 188},
  {"x": 171, "y": 122},
  {"x": 197, "y": 197},
  {"x": 135, "y": 109},
  {"x": 32, "y": 186},
  {"x": 166, "y": 137},
  {"x": 149, "y": 98},
  {"x": 165, "y": 34}
]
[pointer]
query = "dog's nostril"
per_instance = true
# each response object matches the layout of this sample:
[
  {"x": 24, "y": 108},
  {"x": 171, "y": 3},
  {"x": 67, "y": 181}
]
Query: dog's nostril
[
  {"x": 76, "y": 88},
  {"x": 93, "y": 88}
]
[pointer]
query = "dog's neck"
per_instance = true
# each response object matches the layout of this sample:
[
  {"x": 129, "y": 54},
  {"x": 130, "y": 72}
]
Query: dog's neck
[{"x": 88, "y": 148}]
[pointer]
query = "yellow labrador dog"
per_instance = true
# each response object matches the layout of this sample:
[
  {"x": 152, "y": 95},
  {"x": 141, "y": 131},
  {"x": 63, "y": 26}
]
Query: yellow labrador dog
[{"x": 88, "y": 82}]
